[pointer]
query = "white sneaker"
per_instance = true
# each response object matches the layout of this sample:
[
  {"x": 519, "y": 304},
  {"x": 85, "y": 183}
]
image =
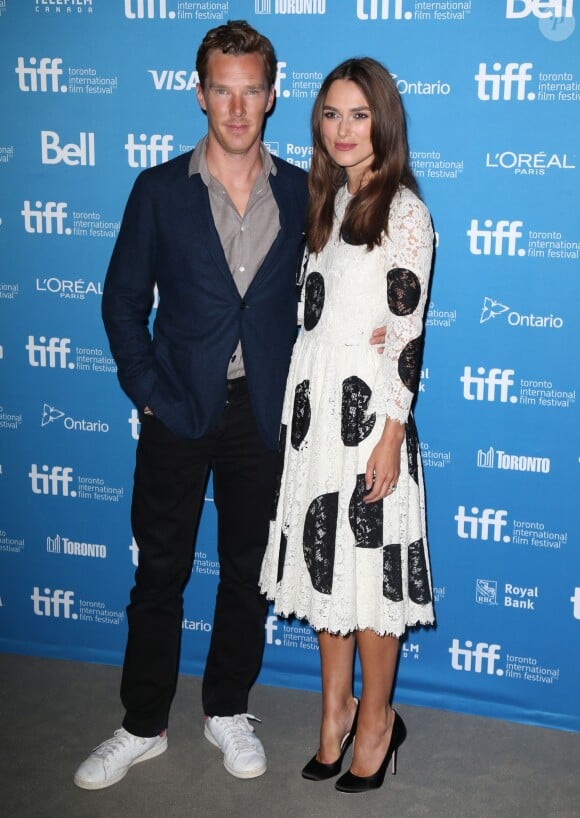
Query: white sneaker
[
  {"x": 244, "y": 755},
  {"x": 111, "y": 760}
]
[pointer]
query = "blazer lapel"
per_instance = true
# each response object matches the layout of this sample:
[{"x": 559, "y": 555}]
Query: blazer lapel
[
  {"x": 286, "y": 213},
  {"x": 205, "y": 225}
]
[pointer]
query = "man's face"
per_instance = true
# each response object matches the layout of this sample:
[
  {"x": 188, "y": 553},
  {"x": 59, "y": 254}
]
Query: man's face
[{"x": 236, "y": 99}]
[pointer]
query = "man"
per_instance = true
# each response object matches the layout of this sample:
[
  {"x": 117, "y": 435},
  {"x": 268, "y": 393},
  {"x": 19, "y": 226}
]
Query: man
[{"x": 220, "y": 230}]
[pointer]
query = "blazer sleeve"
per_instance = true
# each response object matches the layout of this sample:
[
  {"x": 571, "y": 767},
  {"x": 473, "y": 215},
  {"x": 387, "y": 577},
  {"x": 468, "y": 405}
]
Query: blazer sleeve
[{"x": 128, "y": 296}]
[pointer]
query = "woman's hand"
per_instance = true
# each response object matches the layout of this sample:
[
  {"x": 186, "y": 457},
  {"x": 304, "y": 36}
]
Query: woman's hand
[
  {"x": 378, "y": 338},
  {"x": 384, "y": 464}
]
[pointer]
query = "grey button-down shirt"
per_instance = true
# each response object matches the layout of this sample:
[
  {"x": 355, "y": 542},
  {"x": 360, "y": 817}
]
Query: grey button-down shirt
[{"x": 245, "y": 239}]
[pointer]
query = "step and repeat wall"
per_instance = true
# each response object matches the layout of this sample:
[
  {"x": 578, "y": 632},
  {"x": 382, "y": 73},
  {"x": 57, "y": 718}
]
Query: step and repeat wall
[{"x": 94, "y": 91}]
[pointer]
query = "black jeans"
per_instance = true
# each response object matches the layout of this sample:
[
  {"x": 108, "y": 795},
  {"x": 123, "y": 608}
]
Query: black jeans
[{"x": 170, "y": 479}]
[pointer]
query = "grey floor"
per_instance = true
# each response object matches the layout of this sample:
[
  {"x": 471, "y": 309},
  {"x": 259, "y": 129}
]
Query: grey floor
[{"x": 451, "y": 766}]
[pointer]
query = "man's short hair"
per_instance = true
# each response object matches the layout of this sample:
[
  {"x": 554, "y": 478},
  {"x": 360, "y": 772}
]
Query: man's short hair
[{"x": 236, "y": 37}]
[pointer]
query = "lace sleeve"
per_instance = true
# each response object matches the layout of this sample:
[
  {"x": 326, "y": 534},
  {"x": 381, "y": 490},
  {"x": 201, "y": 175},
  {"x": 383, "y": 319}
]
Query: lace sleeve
[{"x": 409, "y": 250}]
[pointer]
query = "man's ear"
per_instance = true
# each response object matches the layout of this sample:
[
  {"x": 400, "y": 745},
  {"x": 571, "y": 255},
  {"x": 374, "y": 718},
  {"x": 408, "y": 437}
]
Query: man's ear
[
  {"x": 271, "y": 98},
  {"x": 200, "y": 96}
]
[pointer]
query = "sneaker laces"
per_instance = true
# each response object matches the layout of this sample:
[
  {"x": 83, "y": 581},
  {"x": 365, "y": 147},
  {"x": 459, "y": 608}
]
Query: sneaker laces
[
  {"x": 238, "y": 733},
  {"x": 120, "y": 741}
]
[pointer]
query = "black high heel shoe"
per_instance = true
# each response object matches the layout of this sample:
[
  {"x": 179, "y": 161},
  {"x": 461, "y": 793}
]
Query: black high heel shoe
[
  {"x": 316, "y": 770},
  {"x": 356, "y": 783}
]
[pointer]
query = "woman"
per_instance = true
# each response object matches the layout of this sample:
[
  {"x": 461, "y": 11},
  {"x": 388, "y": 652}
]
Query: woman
[{"x": 347, "y": 548}]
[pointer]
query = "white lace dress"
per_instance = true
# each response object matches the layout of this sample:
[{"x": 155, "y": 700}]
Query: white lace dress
[{"x": 332, "y": 559}]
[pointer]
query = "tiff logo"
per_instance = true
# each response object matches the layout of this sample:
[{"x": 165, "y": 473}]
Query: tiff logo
[
  {"x": 474, "y": 527},
  {"x": 145, "y": 153},
  {"x": 71, "y": 154},
  {"x": 42, "y": 219},
  {"x": 147, "y": 9},
  {"x": 498, "y": 84},
  {"x": 542, "y": 9},
  {"x": 473, "y": 660},
  {"x": 486, "y": 386},
  {"x": 271, "y": 628},
  {"x": 384, "y": 10},
  {"x": 51, "y": 603},
  {"x": 280, "y": 76},
  {"x": 33, "y": 78},
  {"x": 45, "y": 354},
  {"x": 489, "y": 239},
  {"x": 53, "y": 481},
  {"x": 135, "y": 424},
  {"x": 575, "y": 600}
]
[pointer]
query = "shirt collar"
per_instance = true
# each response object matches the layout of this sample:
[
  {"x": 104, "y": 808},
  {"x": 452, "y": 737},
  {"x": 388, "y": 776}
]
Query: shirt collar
[{"x": 198, "y": 162}]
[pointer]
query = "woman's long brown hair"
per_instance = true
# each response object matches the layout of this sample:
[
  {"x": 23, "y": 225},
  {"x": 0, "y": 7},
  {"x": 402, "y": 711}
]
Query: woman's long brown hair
[{"x": 366, "y": 217}]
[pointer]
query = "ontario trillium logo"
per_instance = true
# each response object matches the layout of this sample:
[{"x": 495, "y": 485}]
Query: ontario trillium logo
[
  {"x": 491, "y": 308},
  {"x": 50, "y": 414}
]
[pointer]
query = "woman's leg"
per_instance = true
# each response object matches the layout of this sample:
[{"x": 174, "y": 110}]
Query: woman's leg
[
  {"x": 338, "y": 705},
  {"x": 378, "y": 657}
]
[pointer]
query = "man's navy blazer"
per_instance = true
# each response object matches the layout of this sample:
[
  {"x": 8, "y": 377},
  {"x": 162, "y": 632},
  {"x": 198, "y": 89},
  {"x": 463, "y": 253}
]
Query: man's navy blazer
[{"x": 168, "y": 237}]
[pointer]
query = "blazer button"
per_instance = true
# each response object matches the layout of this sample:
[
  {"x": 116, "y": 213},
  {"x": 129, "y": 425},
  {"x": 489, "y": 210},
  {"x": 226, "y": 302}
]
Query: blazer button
[{"x": 243, "y": 306}]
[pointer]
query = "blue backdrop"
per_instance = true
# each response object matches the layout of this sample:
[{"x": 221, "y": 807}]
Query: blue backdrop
[{"x": 94, "y": 91}]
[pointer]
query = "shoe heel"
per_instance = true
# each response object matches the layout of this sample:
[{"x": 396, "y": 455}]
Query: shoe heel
[
  {"x": 350, "y": 782},
  {"x": 318, "y": 771}
]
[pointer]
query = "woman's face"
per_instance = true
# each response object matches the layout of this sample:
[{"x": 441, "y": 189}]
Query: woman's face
[{"x": 346, "y": 130}]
